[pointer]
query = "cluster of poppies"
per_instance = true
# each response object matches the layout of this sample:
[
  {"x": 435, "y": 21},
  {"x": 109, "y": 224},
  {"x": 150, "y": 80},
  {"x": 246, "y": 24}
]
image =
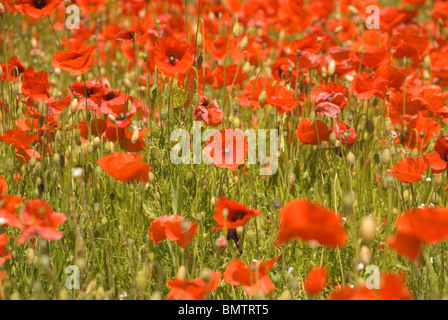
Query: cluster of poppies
[{"x": 258, "y": 62}]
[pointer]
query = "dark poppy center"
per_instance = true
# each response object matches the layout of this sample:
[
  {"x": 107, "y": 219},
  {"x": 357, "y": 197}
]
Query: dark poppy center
[
  {"x": 39, "y": 4},
  {"x": 172, "y": 59},
  {"x": 238, "y": 215},
  {"x": 89, "y": 92},
  {"x": 110, "y": 96},
  {"x": 206, "y": 103}
]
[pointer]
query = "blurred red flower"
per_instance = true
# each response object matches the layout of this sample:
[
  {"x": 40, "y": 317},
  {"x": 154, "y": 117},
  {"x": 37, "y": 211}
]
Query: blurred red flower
[
  {"x": 125, "y": 166},
  {"x": 174, "y": 228},
  {"x": 236, "y": 214}
]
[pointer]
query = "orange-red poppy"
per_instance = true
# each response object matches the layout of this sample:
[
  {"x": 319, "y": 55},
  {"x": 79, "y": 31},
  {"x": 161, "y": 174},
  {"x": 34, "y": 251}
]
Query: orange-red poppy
[
  {"x": 196, "y": 289},
  {"x": 408, "y": 170},
  {"x": 3, "y": 185},
  {"x": 437, "y": 160},
  {"x": 4, "y": 252},
  {"x": 227, "y": 148},
  {"x": 209, "y": 112},
  {"x": 340, "y": 128},
  {"x": 312, "y": 133},
  {"x": 367, "y": 85},
  {"x": 8, "y": 209},
  {"x": 392, "y": 287},
  {"x": 316, "y": 280},
  {"x": 418, "y": 226},
  {"x": 252, "y": 277},
  {"x": 39, "y": 219},
  {"x": 37, "y": 8},
  {"x": 303, "y": 219},
  {"x": 173, "y": 57},
  {"x": 36, "y": 85},
  {"x": 125, "y": 166},
  {"x": 174, "y": 228},
  {"x": 76, "y": 62},
  {"x": 12, "y": 69},
  {"x": 231, "y": 214}
]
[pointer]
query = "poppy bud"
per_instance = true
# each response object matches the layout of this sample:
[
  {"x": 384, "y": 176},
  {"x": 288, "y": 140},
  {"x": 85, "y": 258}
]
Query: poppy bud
[
  {"x": 349, "y": 78},
  {"x": 243, "y": 43},
  {"x": 127, "y": 83},
  {"x": 333, "y": 138},
  {"x": 406, "y": 195},
  {"x": 32, "y": 162},
  {"x": 262, "y": 97},
  {"x": 367, "y": 228},
  {"x": 134, "y": 137},
  {"x": 364, "y": 254},
  {"x": 239, "y": 230},
  {"x": 323, "y": 72},
  {"x": 246, "y": 68},
  {"x": 103, "y": 221},
  {"x": 312, "y": 116},
  {"x": 198, "y": 216},
  {"x": 236, "y": 30},
  {"x": 111, "y": 118},
  {"x": 285, "y": 295},
  {"x": 259, "y": 295},
  {"x": 388, "y": 124},
  {"x": 89, "y": 148},
  {"x": 2, "y": 10},
  {"x": 220, "y": 244},
  {"x": 29, "y": 255},
  {"x": 96, "y": 142},
  {"x": 91, "y": 286},
  {"x": 74, "y": 105},
  {"x": 56, "y": 158},
  {"x": 213, "y": 201},
  {"x": 351, "y": 158},
  {"x": 438, "y": 179},
  {"x": 385, "y": 156},
  {"x": 427, "y": 61},
  {"x": 291, "y": 178},
  {"x": 199, "y": 39},
  {"x": 331, "y": 68},
  {"x": 205, "y": 275}
]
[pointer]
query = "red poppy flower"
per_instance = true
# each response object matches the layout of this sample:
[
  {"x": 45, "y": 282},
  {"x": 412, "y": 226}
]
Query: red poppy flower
[
  {"x": 315, "y": 281},
  {"x": 281, "y": 98},
  {"x": 340, "y": 128},
  {"x": 91, "y": 94},
  {"x": 125, "y": 167},
  {"x": 226, "y": 148},
  {"x": 12, "y": 70},
  {"x": 126, "y": 35},
  {"x": 394, "y": 76},
  {"x": 39, "y": 219},
  {"x": 300, "y": 218},
  {"x": 392, "y": 287},
  {"x": 252, "y": 91},
  {"x": 76, "y": 62},
  {"x": 410, "y": 46},
  {"x": 231, "y": 214},
  {"x": 37, "y": 8},
  {"x": 3, "y": 185},
  {"x": 174, "y": 228},
  {"x": 56, "y": 106},
  {"x": 367, "y": 85},
  {"x": 408, "y": 170},
  {"x": 252, "y": 277},
  {"x": 4, "y": 252},
  {"x": 8, "y": 209},
  {"x": 173, "y": 57},
  {"x": 432, "y": 98},
  {"x": 209, "y": 112},
  {"x": 196, "y": 289},
  {"x": 437, "y": 160},
  {"x": 418, "y": 226},
  {"x": 18, "y": 138},
  {"x": 36, "y": 85},
  {"x": 312, "y": 133},
  {"x": 330, "y": 93},
  {"x": 234, "y": 75}
]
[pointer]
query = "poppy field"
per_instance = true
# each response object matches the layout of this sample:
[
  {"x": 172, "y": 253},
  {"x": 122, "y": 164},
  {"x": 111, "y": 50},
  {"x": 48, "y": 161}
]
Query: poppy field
[{"x": 223, "y": 149}]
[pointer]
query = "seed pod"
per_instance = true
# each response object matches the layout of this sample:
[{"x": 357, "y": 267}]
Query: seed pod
[
  {"x": 246, "y": 68},
  {"x": 243, "y": 43},
  {"x": 236, "y": 30},
  {"x": 385, "y": 156},
  {"x": 262, "y": 97},
  {"x": 364, "y": 254},
  {"x": 367, "y": 228},
  {"x": 199, "y": 39},
  {"x": 388, "y": 125},
  {"x": 351, "y": 158},
  {"x": 331, "y": 68}
]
